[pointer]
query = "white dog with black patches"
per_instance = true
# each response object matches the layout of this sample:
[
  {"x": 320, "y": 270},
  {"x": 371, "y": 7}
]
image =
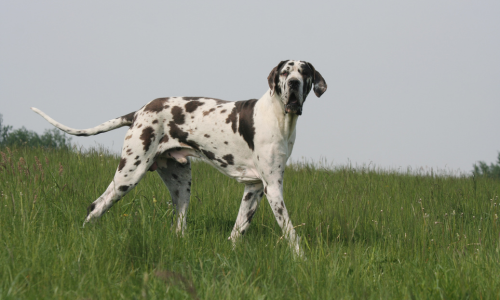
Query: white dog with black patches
[{"x": 249, "y": 141}]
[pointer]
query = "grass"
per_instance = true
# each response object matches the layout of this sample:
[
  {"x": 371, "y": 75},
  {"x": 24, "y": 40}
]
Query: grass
[{"x": 366, "y": 233}]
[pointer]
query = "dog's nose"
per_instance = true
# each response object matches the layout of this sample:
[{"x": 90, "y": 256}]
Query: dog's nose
[{"x": 293, "y": 83}]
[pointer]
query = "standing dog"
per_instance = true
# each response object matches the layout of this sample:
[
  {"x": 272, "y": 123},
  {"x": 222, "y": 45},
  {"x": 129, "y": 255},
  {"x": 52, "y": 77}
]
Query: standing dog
[{"x": 249, "y": 141}]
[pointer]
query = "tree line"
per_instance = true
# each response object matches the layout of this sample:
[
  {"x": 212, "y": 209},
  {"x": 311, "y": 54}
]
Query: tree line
[{"x": 51, "y": 138}]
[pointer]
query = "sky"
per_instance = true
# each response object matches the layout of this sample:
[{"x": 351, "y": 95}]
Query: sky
[{"x": 410, "y": 83}]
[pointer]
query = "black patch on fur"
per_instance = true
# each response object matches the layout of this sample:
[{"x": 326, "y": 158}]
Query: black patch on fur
[
  {"x": 226, "y": 142},
  {"x": 177, "y": 133},
  {"x": 147, "y": 137},
  {"x": 232, "y": 119},
  {"x": 265, "y": 190},
  {"x": 192, "y": 105},
  {"x": 137, "y": 163},
  {"x": 261, "y": 194},
  {"x": 175, "y": 176},
  {"x": 248, "y": 196},
  {"x": 223, "y": 111},
  {"x": 208, "y": 154},
  {"x": 123, "y": 161},
  {"x": 90, "y": 208},
  {"x": 178, "y": 115},
  {"x": 246, "y": 128},
  {"x": 280, "y": 211},
  {"x": 155, "y": 121},
  {"x": 208, "y": 111},
  {"x": 229, "y": 158},
  {"x": 206, "y": 135},
  {"x": 123, "y": 188},
  {"x": 191, "y": 98},
  {"x": 244, "y": 110},
  {"x": 137, "y": 157},
  {"x": 128, "y": 117},
  {"x": 250, "y": 215},
  {"x": 164, "y": 139},
  {"x": 156, "y": 105}
]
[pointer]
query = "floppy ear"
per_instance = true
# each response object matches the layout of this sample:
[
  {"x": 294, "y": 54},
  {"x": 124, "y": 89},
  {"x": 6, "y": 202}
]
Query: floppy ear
[
  {"x": 318, "y": 81},
  {"x": 274, "y": 76}
]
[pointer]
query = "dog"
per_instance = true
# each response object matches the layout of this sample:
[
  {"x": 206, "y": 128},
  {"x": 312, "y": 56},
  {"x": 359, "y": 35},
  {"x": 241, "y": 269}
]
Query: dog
[{"x": 249, "y": 141}]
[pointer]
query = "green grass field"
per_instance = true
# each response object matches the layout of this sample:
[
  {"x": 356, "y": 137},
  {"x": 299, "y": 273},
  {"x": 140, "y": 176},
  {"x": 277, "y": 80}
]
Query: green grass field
[{"x": 366, "y": 234}]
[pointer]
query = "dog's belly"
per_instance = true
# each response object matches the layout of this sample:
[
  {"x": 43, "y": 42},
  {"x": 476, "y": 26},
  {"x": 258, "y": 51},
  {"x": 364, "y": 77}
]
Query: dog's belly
[{"x": 243, "y": 172}]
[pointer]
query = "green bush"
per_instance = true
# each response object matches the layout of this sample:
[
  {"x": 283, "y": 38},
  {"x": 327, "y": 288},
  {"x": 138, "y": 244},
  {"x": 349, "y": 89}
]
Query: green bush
[
  {"x": 491, "y": 171},
  {"x": 51, "y": 138}
]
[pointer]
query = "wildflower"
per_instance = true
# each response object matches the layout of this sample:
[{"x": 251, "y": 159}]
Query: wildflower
[
  {"x": 426, "y": 215},
  {"x": 453, "y": 213},
  {"x": 496, "y": 217},
  {"x": 445, "y": 215}
]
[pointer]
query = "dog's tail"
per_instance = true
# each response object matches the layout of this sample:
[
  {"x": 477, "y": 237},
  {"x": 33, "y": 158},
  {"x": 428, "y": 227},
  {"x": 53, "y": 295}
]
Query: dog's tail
[{"x": 125, "y": 120}]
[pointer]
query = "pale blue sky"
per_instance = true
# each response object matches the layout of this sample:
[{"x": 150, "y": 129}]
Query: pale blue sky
[{"x": 409, "y": 83}]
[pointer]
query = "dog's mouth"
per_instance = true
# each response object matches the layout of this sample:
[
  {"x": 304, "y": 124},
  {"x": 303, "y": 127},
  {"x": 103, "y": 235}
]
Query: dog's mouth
[{"x": 293, "y": 106}]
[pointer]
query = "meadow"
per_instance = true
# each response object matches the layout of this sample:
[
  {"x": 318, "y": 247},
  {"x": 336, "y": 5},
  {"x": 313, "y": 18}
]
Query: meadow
[{"x": 367, "y": 234}]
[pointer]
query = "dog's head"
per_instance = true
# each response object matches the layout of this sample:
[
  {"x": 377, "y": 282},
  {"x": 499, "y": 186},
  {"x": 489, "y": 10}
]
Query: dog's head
[{"x": 292, "y": 80}]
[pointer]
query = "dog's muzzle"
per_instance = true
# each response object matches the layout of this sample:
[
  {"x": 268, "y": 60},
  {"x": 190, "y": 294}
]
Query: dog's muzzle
[{"x": 293, "y": 106}]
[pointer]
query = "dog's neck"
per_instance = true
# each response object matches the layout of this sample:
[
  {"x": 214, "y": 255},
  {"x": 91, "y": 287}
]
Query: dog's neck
[{"x": 286, "y": 121}]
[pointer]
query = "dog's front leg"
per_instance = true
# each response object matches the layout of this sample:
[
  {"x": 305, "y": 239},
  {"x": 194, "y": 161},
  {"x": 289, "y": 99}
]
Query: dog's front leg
[
  {"x": 251, "y": 199},
  {"x": 274, "y": 193}
]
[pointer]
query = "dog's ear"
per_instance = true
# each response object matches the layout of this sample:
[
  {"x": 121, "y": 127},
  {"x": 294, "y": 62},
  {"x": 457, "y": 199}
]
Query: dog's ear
[
  {"x": 318, "y": 81},
  {"x": 274, "y": 77}
]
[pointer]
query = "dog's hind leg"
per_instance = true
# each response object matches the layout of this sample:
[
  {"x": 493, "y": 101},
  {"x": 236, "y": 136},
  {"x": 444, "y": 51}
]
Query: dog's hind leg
[
  {"x": 177, "y": 178},
  {"x": 134, "y": 163},
  {"x": 117, "y": 189},
  {"x": 251, "y": 199}
]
